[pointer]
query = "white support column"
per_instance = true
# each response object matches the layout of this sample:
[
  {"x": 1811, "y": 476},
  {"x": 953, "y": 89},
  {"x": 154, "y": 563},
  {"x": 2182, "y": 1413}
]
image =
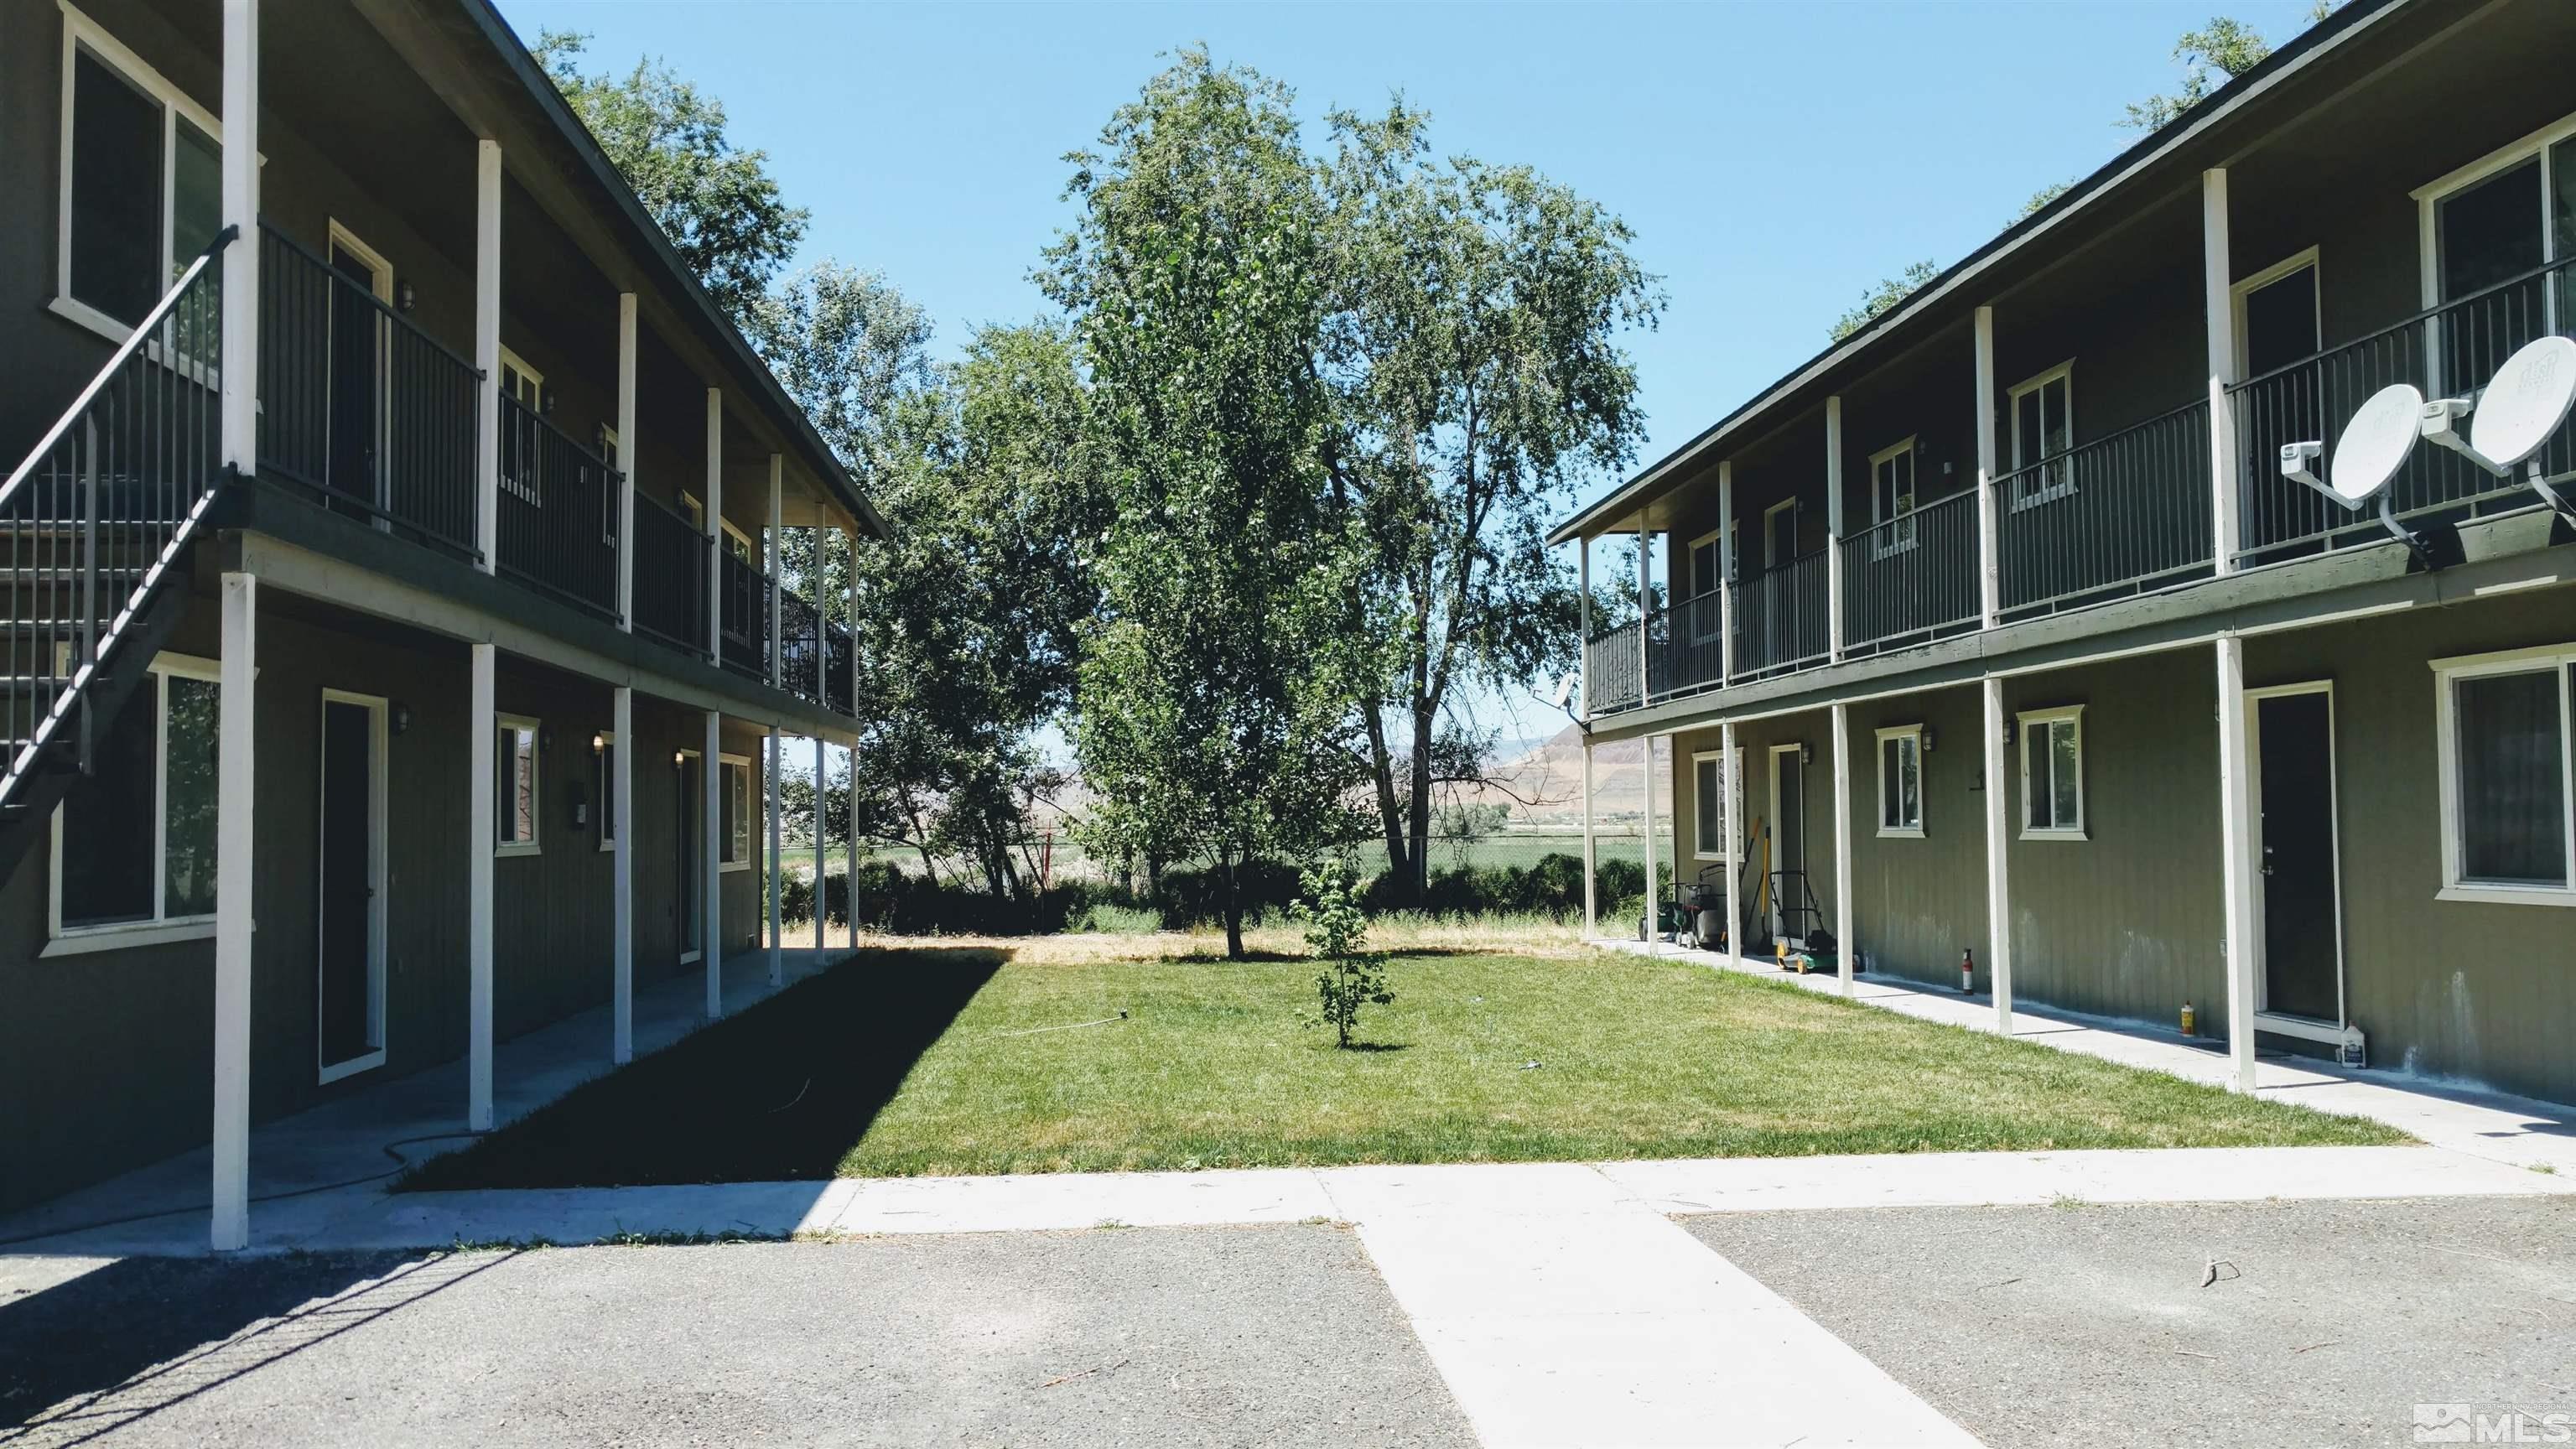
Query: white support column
[
  {"x": 1591, "y": 854},
  {"x": 487, "y": 352},
  {"x": 711, "y": 821},
  {"x": 2236, "y": 859},
  {"x": 777, "y": 849},
  {"x": 1732, "y": 811},
  {"x": 850, "y": 846},
  {"x": 236, "y": 873},
  {"x": 483, "y": 832},
  {"x": 1844, "y": 948},
  {"x": 777, "y": 555},
  {"x": 1726, "y": 570},
  {"x": 621, "y": 811},
  {"x": 1990, "y": 593},
  {"x": 2219, "y": 298},
  {"x": 1583, "y": 631},
  {"x": 1647, "y": 744},
  {"x": 1998, "y": 890},
  {"x": 240, "y": 265},
  {"x": 715, "y": 543},
  {"x": 625, "y": 461},
  {"x": 1834, "y": 526}
]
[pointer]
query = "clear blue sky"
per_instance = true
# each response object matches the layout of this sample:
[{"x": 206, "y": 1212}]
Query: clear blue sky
[{"x": 1775, "y": 159}]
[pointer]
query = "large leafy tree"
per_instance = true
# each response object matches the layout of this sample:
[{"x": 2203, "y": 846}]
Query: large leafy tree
[
  {"x": 1215, "y": 682},
  {"x": 1471, "y": 356}
]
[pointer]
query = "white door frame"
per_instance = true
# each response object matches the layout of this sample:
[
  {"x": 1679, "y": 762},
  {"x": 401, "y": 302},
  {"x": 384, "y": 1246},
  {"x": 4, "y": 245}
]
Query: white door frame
[
  {"x": 2264, "y": 1018},
  {"x": 698, "y": 877},
  {"x": 381, "y": 283},
  {"x": 1779, "y": 913},
  {"x": 378, "y": 827}
]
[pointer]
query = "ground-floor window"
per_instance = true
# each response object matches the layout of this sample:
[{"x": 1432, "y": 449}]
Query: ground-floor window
[
  {"x": 603, "y": 784},
  {"x": 134, "y": 841},
  {"x": 1711, "y": 786},
  {"x": 2508, "y": 822},
  {"x": 514, "y": 784},
  {"x": 735, "y": 798},
  {"x": 1900, "y": 780},
  {"x": 2052, "y": 774}
]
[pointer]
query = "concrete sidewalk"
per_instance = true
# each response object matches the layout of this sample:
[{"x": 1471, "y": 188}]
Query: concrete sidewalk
[
  {"x": 2517, "y": 1130},
  {"x": 330, "y": 1158}
]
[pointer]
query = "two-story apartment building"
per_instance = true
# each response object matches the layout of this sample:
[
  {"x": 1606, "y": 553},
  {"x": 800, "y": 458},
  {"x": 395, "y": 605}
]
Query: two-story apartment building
[
  {"x": 1996, "y": 628},
  {"x": 394, "y": 628}
]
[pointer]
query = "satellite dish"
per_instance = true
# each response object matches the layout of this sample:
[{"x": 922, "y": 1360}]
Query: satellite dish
[
  {"x": 2525, "y": 402},
  {"x": 1564, "y": 691},
  {"x": 2374, "y": 445}
]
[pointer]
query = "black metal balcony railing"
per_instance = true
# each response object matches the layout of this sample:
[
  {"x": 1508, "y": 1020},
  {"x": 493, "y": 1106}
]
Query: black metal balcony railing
[
  {"x": 1781, "y": 618},
  {"x": 2447, "y": 351},
  {"x": 670, "y": 575},
  {"x": 743, "y": 597},
  {"x": 1613, "y": 676},
  {"x": 837, "y": 682},
  {"x": 1690, "y": 652},
  {"x": 800, "y": 642},
  {"x": 1913, "y": 577},
  {"x": 2120, "y": 515},
  {"x": 360, "y": 406},
  {"x": 558, "y": 520}
]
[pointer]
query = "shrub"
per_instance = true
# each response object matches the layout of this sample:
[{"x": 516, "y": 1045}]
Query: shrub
[{"x": 1336, "y": 930}]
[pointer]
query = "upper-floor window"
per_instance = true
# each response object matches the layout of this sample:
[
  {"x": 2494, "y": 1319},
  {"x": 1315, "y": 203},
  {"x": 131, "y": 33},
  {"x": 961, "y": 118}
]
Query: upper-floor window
[
  {"x": 2277, "y": 315},
  {"x": 1891, "y": 497},
  {"x": 1779, "y": 533},
  {"x": 1702, "y": 564},
  {"x": 2490, "y": 228},
  {"x": 2508, "y": 812},
  {"x": 525, "y": 386},
  {"x": 142, "y": 187},
  {"x": 134, "y": 841},
  {"x": 2043, "y": 428}
]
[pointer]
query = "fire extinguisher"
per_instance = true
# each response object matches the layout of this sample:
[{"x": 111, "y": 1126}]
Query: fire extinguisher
[{"x": 1967, "y": 972}]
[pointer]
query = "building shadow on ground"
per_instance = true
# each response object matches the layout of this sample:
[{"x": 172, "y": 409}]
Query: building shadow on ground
[
  {"x": 780, "y": 1092},
  {"x": 92, "y": 1355}
]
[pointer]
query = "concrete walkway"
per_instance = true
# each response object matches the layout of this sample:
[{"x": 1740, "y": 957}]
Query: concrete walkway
[
  {"x": 300, "y": 1161},
  {"x": 2517, "y": 1130}
]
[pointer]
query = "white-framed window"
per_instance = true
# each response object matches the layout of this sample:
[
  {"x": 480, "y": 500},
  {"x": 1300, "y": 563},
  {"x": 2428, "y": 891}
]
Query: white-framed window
[
  {"x": 1712, "y": 784},
  {"x": 525, "y": 386},
  {"x": 1900, "y": 781},
  {"x": 1891, "y": 498},
  {"x": 2508, "y": 804},
  {"x": 1703, "y": 560},
  {"x": 134, "y": 842},
  {"x": 1780, "y": 533},
  {"x": 516, "y": 813},
  {"x": 736, "y": 800},
  {"x": 2503, "y": 216},
  {"x": 2052, "y": 774},
  {"x": 609, "y": 502},
  {"x": 2043, "y": 428},
  {"x": 2279, "y": 315},
  {"x": 603, "y": 785},
  {"x": 737, "y": 542},
  {"x": 141, "y": 182}
]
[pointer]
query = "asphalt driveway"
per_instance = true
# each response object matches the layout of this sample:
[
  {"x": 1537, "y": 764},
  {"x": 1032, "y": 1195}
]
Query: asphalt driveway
[{"x": 1200, "y": 1336}]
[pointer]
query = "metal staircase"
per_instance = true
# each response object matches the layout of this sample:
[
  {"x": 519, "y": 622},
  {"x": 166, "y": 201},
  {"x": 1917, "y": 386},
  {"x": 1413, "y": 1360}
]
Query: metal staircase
[{"x": 92, "y": 527}]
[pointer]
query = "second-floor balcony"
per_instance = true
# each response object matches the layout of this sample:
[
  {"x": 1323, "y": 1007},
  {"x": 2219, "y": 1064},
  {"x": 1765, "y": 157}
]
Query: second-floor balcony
[
  {"x": 2131, "y": 512},
  {"x": 365, "y": 414}
]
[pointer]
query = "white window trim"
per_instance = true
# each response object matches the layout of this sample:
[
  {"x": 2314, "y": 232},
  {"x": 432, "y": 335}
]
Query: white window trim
[
  {"x": 62, "y": 940},
  {"x": 1895, "y": 540},
  {"x": 2429, "y": 197},
  {"x": 79, "y": 31},
  {"x": 535, "y": 843},
  {"x": 2074, "y": 714},
  {"x": 2012, "y": 413},
  {"x": 1691, "y": 550},
  {"x": 1768, "y": 561},
  {"x": 1733, "y": 776},
  {"x": 2248, "y": 286},
  {"x": 750, "y": 837},
  {"x": 2470, "y": 666},
  {"x": 751, "y": 552},
  {"x": 515, "y": 363},
  {"x": 1878, "y": 763}
]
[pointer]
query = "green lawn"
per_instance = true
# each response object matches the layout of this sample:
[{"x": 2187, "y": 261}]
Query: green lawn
[{"x": 905, "y": 1061}]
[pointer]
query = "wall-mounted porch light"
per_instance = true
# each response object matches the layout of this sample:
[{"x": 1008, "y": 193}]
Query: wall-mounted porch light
[
  {"x": 404, "y": 297},
  {"x": 1930, "y": 735},
  {"x": 1806, "y": 753},
  {"x": 401, "y": 718}
]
